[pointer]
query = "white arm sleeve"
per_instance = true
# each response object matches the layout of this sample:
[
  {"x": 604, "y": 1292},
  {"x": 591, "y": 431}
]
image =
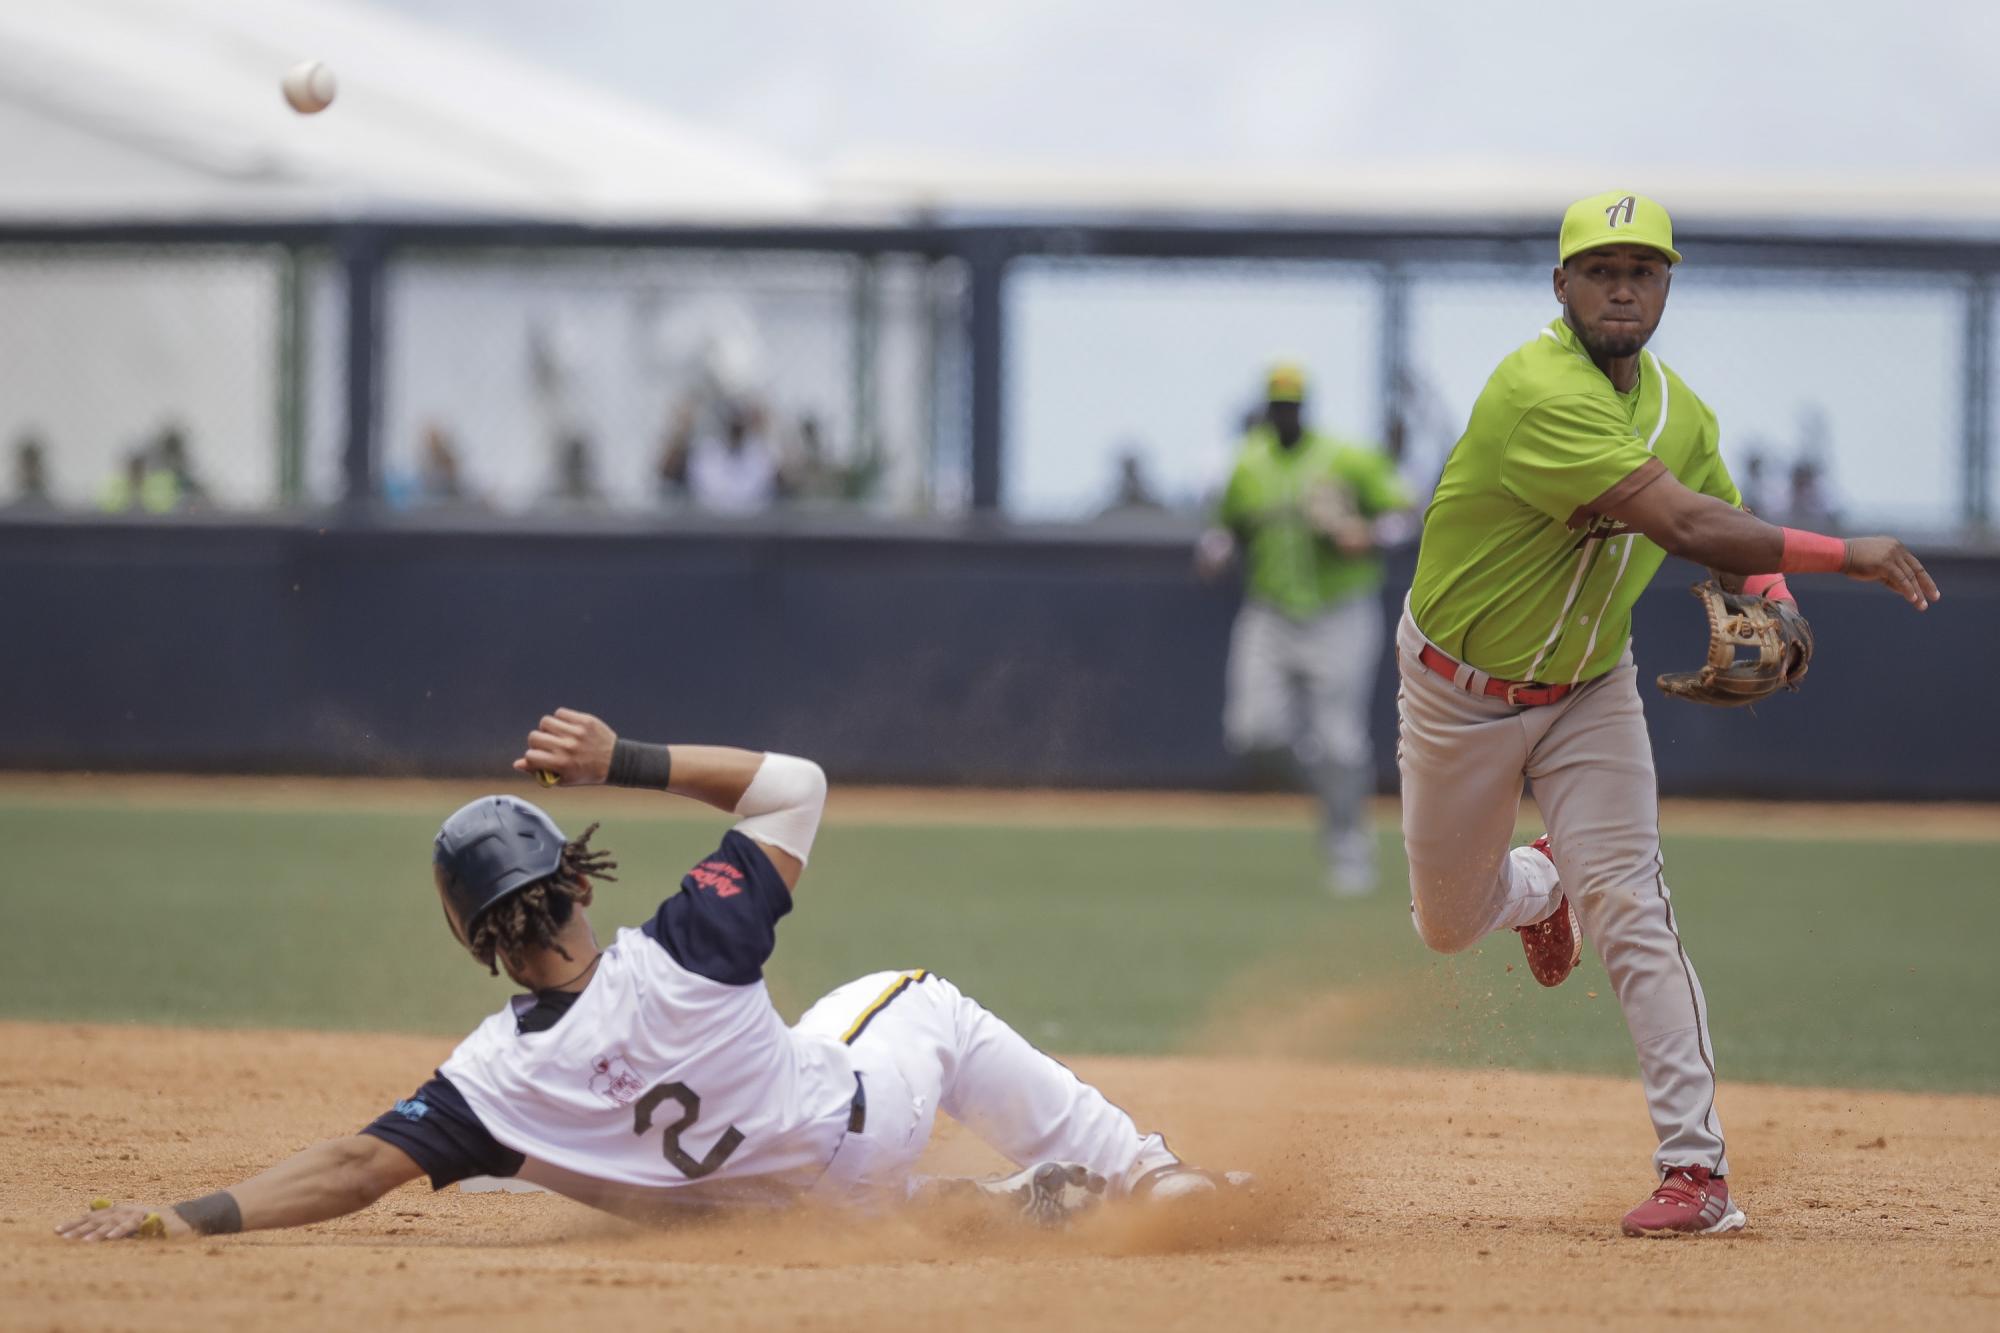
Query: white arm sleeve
[{"x": 782, "y": 804}]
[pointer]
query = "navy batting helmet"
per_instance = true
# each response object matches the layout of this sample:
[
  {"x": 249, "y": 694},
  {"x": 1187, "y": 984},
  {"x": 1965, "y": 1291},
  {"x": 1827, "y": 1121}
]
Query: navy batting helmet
[{"x": 496, "y": 846}]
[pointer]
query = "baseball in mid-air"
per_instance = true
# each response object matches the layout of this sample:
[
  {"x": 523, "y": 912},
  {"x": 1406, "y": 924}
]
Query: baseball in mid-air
[{"x": 309, "y": 87}]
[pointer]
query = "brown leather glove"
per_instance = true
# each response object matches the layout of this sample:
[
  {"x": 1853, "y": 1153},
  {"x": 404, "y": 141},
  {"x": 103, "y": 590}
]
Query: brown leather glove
[{"x": 1776, "y": 638}]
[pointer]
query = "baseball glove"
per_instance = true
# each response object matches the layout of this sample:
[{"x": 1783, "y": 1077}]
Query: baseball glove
[
  {"x": 1776, "y": 638},
  {"x": 1332, "y": 512}
]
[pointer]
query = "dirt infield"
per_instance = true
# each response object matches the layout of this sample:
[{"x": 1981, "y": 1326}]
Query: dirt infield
[{"x": 1395, "y": 1199}]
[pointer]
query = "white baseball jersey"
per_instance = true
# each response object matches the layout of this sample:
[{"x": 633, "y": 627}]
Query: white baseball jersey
[{"x": 671, "y": 1069}]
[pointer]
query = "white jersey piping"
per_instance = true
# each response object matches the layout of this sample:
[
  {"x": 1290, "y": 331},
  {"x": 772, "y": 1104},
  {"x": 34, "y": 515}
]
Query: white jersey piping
[
  {"x": 1555, "y": 631},
  {"x": 1658, "y": 427},
  {"x": 1590, "y": 646},
  {"x": 1583, "y": 557}
]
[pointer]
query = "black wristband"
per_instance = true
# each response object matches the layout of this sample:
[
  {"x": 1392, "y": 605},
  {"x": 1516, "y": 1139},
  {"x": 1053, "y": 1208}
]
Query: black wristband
[
  {"x": 212, "y": 1214},
  {"x": 638, "y": 764}
]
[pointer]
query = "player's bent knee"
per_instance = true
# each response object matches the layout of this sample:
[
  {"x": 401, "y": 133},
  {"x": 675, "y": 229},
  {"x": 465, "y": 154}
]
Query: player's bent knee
[
  {"x": 1252, "y": 737},
  {"x": 1441, "y": 935},
  {"x": 1352, "y": 756}
]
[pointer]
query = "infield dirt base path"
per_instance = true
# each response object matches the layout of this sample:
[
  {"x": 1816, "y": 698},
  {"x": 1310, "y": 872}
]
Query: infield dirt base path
[{"x": 1392, "y": 1199}]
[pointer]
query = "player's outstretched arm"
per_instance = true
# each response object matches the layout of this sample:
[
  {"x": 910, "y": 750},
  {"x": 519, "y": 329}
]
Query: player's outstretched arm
[
  {"x": 1711, "y": 532},
  {"x": 329, "y": 1179},
  {"x": 779, "y": 797}
]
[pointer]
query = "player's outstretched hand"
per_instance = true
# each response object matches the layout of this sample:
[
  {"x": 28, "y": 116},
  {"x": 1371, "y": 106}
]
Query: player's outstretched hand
[
  {"x": 573, "y": 747},
  {"x": 1886, "y": 561},
  {"x": 125, "y": 1221}
]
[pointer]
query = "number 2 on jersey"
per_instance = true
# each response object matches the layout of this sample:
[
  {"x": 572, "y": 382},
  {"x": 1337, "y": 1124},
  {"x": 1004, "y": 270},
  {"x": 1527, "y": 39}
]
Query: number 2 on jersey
[{"x": 670, "y": 1142}]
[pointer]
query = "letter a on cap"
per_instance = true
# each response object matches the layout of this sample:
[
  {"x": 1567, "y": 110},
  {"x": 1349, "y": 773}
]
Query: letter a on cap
[{"x": 1615, "y": 219}]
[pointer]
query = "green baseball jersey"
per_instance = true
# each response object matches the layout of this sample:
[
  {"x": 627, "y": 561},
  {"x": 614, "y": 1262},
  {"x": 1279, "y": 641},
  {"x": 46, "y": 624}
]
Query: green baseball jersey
[
  {"x": 1517, "y": 575},
  {"x": 1289, "y": 564}
]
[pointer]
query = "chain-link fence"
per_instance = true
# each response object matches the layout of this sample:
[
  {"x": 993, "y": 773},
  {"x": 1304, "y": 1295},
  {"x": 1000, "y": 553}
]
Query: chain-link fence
[
  {"x": 177, "y": 379},
  {"x": 649, "y": 381},
  {"x": 144, "y": 380},
  {"x": 648, "y": 375}
]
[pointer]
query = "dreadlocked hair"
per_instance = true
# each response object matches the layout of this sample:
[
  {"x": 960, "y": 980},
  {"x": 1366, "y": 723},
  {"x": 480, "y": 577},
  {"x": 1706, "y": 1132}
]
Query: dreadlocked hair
[{"x": 531, "y": 918}]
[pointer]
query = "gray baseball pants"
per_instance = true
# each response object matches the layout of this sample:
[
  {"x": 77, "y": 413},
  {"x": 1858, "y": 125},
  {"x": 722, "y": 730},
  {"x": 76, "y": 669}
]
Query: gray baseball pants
[
  {"x": 1303, "y": 686},
  {"x": 1464, "y": 758}
]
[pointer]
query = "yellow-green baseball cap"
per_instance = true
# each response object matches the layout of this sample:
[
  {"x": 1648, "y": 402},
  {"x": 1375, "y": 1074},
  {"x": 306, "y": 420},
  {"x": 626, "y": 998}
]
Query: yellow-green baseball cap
[
  {"x": 1616, "y": 217},
  {"x": 1287, "y": 384}
]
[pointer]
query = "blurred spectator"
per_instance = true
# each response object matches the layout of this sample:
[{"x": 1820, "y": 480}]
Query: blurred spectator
[
  {"x": 121, "y": 494},
  {"x": 1131, "y": 491},
  {"x": 1755, "y": 483},
  {"x": 170, "y": 457},
  {"x": 156, "y": 479},
  {"x": 439, "y": 481},
  {"x": 808, "y": 473},
  {"x": 675, "y": 450},
  {"x": 737, "y": 471},
  {"x": 31, "y": 478},
  {"x": 576, "y": 474},
  {"x": 1809, "y": 503}
]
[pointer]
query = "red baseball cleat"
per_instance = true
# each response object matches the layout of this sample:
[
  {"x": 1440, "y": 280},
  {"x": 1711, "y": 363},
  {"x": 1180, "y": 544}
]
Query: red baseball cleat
[
  {"x": 1554, "y": 945},
  {"x": 1689, "y": 1202}
]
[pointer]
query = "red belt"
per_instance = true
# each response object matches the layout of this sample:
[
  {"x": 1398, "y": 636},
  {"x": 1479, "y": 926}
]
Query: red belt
[{"x": 1519, "y": 693}]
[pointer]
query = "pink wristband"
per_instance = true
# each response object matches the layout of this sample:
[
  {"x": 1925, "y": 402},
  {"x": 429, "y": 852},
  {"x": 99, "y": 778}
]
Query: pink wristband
[
  {"x": 1811, "y": 553},
  {"x": 1771, "y": 586}
]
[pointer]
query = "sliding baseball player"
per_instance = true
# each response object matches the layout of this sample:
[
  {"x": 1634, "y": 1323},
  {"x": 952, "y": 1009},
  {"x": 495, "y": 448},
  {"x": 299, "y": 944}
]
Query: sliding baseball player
[{"x": 651, "y": 1071}]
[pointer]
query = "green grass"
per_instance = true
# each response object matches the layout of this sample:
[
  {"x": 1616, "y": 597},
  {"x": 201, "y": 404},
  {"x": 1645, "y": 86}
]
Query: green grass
[{"x": 1826, "y": 963}]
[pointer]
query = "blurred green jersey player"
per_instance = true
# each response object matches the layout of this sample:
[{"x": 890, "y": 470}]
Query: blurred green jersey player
[{"x": 1302, "y": 509}]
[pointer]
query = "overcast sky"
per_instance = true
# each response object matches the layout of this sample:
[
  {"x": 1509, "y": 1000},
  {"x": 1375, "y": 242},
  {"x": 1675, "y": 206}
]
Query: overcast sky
[{"x": 1724, "y": 84}]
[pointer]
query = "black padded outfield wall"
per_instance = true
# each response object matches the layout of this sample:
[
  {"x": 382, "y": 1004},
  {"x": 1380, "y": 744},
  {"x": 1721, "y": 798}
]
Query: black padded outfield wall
[{"x": 1018, "y": 659}]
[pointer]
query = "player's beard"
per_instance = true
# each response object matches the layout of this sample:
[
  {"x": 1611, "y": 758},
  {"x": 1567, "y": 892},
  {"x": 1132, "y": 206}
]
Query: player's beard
[{"x": 1610, "y": 344}]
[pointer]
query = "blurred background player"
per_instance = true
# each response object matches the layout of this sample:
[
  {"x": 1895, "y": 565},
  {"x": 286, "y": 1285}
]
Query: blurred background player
[
  {"x": 654, "y": 1072},
  {"x": 1302, "y": 508}
]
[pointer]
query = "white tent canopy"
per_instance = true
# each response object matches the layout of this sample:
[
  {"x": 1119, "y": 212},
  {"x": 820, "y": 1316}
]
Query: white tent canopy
[
  {"x": 1794, "y": 202},
  {"x": 171, "y": 109}
]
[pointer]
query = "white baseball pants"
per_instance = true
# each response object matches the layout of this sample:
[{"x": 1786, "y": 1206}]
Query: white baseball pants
[
  {"x": 1464, "y": 758},
  {"x": 922, "y": 1047},
  {"x": 1304, "y": 686}
]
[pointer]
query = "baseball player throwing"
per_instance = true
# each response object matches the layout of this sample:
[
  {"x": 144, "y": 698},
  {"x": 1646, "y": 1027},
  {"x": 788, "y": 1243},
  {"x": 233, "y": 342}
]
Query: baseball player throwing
[
  {"x": 1585, "y": 463},
  {"x": 654, "y": 1071}
]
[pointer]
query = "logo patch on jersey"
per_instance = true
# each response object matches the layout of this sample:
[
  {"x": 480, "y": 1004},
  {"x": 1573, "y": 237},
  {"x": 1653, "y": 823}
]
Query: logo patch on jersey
[
  {"x": 413, "y": 1109},
  {"x": 1602, "y": 528},
  {"x": 613, "y": 1080},
  {"x": 725, "y": 879},
  {"x": 1624, "y": 206}
]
